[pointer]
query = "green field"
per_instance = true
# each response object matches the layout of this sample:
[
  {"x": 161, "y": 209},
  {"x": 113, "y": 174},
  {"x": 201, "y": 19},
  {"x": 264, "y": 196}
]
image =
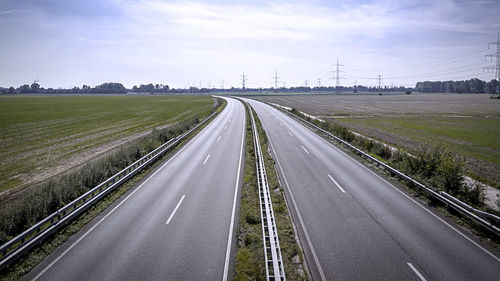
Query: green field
[
  {"x": 477, "y": 139},
  {"x": 41, "y": 136}
]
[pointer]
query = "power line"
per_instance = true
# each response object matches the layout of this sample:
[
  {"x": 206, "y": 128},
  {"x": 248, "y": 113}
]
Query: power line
[
  {"x": 496, "y": 55},
  {"x": 455, "y": 59}
]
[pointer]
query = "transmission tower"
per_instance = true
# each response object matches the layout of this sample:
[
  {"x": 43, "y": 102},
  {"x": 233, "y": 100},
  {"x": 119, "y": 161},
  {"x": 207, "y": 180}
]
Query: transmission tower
[
  {"x": 338, "y": 77},
  {"x": 379, "y": 78},
  {"x": 275, "y": 79},
  {"x": 496, "y": 67},
  {"x": 319, "y": 82},
  {"x": 243, "y": 80},
  {"x": 305, "y": 83}
]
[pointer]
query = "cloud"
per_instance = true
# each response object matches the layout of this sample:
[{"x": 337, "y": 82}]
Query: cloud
[
  {"x": 6, "y": 12},
  {"x": 268, "y": 21}
]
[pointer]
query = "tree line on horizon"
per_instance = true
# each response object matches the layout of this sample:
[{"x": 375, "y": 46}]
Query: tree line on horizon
[{"x": 473, "y": 85}]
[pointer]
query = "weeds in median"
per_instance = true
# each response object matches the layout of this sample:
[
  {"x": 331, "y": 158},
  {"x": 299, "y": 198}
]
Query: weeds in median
[{"x": 250, "y": 255}]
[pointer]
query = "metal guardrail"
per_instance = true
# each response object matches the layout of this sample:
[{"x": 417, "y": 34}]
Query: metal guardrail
[
  {"x": 272, "y": 251},
  {"x": 478, "y": 216},
  {"x": 22, "y": 243}
]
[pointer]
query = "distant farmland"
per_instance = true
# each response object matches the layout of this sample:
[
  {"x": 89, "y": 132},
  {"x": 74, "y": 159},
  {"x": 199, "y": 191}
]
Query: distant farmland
[
  {"x": 468, "y": 124},
  {"x": 42, "y": 136}
]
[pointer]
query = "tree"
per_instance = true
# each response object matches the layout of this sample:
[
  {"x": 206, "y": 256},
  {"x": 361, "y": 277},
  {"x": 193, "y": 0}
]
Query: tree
[
  {"x": 24, "y": 89},
  {"x": 35, "y": 87}
]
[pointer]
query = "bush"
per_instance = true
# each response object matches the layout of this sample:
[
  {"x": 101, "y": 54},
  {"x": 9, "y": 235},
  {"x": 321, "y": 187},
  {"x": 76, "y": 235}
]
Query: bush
[
  {"x": 474, "y": 194},
  {"x": 252, "y": 218},
  {"x": 449, "y": 174},
  {"x": 251, "y": 239}
]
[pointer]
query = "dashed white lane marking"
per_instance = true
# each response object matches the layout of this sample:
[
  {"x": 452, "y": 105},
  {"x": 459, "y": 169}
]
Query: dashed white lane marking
[
  {"x": 305, "y": 149},
  {"x": 175, "y": 210},
  {"x": 290, "y": 134},
  {"x": 338, "y": 185},
  {"x": 416, "y": 271},
  {"x": 206, "y": 159},
  {"x": 218, "y": 139}
]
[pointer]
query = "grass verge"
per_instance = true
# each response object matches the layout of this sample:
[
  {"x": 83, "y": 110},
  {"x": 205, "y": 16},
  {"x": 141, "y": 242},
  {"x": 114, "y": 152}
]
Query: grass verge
[
  {"x": 39, "y": 253},
  {"x": 250, "y": 253}
]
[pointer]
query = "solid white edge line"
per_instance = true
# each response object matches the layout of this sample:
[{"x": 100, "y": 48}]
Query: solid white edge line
[
  {"x": 416, "y": 271},
  {"x": 175, "y": 210},
  {"x": 407, "y": 196},
  {"x": 206, "y": 159},
  {"x": 306, "y": 234},
  {"x": 117, "y": 206},
  {"x": 338, "y": 185},
  {"x": 305, "y": 149},
  {"x": 233, "y": 212},
  {"x": 218, "y": 139}
]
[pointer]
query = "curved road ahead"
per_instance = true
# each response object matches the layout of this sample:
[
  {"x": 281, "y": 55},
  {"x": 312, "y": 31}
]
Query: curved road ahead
[
  {"x": 177, "y": 225},
  {"x": 354, "y": 225}
]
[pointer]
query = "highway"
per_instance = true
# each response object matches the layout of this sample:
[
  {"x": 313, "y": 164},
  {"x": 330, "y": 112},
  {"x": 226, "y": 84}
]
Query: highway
[
  {"x": 178, "y": 224},
  {"x": 354, "y": 225}
]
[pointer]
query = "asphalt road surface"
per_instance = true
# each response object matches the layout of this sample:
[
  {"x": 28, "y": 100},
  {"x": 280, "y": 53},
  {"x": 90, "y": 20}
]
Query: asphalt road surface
[
  {"x": 177, "y": 225},
  {"x": 354, "y": 225}
]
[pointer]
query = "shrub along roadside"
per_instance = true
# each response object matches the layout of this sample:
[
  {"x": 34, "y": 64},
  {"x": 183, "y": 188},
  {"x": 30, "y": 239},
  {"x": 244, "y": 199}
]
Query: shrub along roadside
[
  {"x": 46, "y": 198},
  {"x": 434, "y": 166},
  {"x": 25, "y": 264},
  {"x": 250, "y": 254}
]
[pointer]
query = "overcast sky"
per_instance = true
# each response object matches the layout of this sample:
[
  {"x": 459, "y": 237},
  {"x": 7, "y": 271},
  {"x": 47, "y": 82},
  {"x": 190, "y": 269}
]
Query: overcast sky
[{"x": 66, "y": 43}]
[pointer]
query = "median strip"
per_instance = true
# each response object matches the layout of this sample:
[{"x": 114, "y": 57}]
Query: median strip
[{"x": 250, "y": 255}]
